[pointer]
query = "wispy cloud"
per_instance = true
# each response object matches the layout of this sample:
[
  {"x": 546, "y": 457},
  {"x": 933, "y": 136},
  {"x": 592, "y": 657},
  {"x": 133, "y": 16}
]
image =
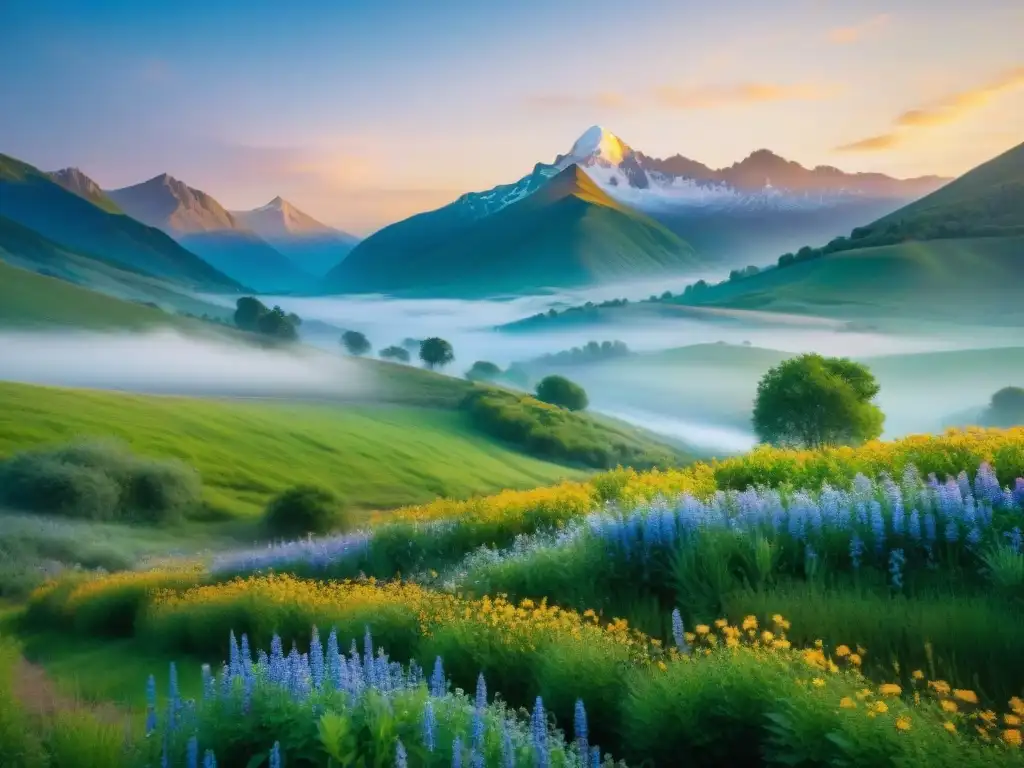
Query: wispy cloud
[
  {"x": 712, "y": 97},
  {"x": 948, "y": 109},
  {"x": 851, "y": 34},
  {"x": 686, "y": 97}
]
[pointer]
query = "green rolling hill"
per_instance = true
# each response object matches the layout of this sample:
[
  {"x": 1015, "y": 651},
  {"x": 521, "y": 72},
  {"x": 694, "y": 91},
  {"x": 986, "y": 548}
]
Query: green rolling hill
[
  {"x": 567, "y": 233},
  {"x": 35, "y": 200}
]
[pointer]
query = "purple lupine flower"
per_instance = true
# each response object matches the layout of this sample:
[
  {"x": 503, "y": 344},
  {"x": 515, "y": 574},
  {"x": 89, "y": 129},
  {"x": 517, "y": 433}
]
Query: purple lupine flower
[
  {"x": 914, "y": 526},
  {"x": 478, "y": 713},
  {"x": 539, "y": 734},
  {"x": 964, "y": 484},
  {"x": 316, "y": 660},
  {"x": 333, "y": 675},
  {"x": 508, "y": 758},
  {"x": 209, "y": 761},
  {"x": 192, "y": 753},
  {"x": 457, "y": 753},
  {"x": 974, "y": 536},
  {"x": 930, "y": 532},
  {"x": 246, "y": 654},
  {"x": 678, "y": 635},
  {"x": 401, "y": 759},
  {"x": 896, "y": 563},
  {"x": 429, "y": 725},
  {"x": 368, "y": 667},
  {"x": 579, "y": 723},
  {"x": 877, "y": 526},
  {"x": 952, "y": 531},
  {"x": 234, "y": 655},
  {"x": 275, "y": 755},
  {"x": 438, "y": 685},
  {"x": 150, "y": 705},
  {"x": 595, "y": 757},
  {"x": 1018, "y": 492}
]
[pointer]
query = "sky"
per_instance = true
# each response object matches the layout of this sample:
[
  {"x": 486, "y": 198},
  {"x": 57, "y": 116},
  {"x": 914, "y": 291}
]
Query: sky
[{"x": 362, "y": 113}]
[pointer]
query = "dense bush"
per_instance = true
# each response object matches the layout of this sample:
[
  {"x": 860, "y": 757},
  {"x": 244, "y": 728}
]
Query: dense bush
[
  {"x": 305, "y": 509},
  {"x": 558, "y": 390},
  {"x": 355, "y": 343},
  {"x": 1006, "y": 408},
  {"x": 483, "y": 370},
  {"x": 552, "y": 432},
  {"x": 99, "y": 481}
]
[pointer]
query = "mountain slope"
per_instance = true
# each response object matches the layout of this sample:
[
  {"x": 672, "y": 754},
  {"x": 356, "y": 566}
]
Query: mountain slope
[
  {"x": 567, "y": 233},
  {"x": 73, "y": 180},
  {"x": 26, "y": 248},
  {"x": 313, "y": 247},
  {"x": 203, "y": 225},
  {"x": 33, "y": 199}
]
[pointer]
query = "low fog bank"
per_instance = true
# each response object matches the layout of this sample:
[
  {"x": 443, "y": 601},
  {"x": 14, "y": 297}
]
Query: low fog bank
[
  {"x": 167, "y": 362},
  {"x": 715, "y": 439}
]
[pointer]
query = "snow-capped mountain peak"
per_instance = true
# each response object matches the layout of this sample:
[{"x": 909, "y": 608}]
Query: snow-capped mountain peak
[{"x": 598, "y": 144}]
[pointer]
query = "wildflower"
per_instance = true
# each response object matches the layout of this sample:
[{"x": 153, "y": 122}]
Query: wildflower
[
  {"x": 818, "y": 682},
  {"x": 847, "y": 703},
  {"x": 902, "y": 723},
  {"x": 949, "y": 706},
  {"x": 677, "y": 631},
  {"x": 970, "y": 697},
  {"x": 1012, "y": 736},
  {"x": 855, "y": 659},
  {"x": 843, "y": 651},
  {"x": 856, "y": 550},
  {"x": 1017, "y": 705},
  {"x": 941, "y": 687},
  {"x": 457, "y": 753},
  {"x": 429, "y": 725},
  {"x": 1011, "y": 719},
  {"x": 438, "y": 684},
  {"x": 880, "y": 707},
  {"x": 702, "y": 629},
  {"x": 767, "y": 637},
  {"x": 951, "y": 727},
  {"x": 580, "y": 728},
  {"x": 275, "y": 755},
  {"x": 539, "y": 734},
  {"x": 478, "y": 713},
  {"x": 662, "y": 666},
  {"x": 401, "y": 759},
  {"x": 917, "y": 674},
  {"x": 750, "y": 623},
  {"x": 192, "y": 753},
  {"x": 890, "y": 689},
  {"x": 150, "y": 705},
  {"x": 209, "y": 761},
  {"x": 896, "y": 563}
]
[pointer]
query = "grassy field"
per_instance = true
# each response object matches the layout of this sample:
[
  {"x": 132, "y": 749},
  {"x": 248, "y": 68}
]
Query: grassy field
[{"x": 375, "y": 456}]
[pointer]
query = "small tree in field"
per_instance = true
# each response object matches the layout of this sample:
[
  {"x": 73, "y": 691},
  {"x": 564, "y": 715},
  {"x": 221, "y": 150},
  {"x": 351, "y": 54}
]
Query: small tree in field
[
  {"x": 436, "y": 353},
  {"x": 1006, "y": 408},
  {"x": 813, "y": 401},
  {"x": 401, "y": 354},
  {"x": 355, "y": 343},
  {"x": 558, "y": 390},
  {"x": 482, "y": 370}
]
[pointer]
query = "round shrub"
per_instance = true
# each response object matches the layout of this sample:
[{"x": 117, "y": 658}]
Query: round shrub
[
  {"x": 99, "y": 480},
  {"x": 558, "y": 390},
  {"x": 304, "y": 509}
]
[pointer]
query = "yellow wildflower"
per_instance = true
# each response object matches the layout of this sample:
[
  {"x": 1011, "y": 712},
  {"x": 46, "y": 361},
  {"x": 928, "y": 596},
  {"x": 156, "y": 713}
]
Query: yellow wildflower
[
  {"x": 720, "y": 623},
  {"x": 855, "y": 659},
  {"x": 941, "y": 687},
  {"x": 847, "y": 703},
  {"x": 951, "y": 727},
  {"x": 843, "y": 651},
  {"x": 917, "y": 674},
  {"x": 880, "y": 707},
  {"x": 1017, "y": 705},
  {"x": 767, "y": 637},
  {"x": 662, "y": 666},
  {"x": 902, "y": 723},
  {"x": 965, "y": 695},
  {"x": 1012, "y": 736},
  {"x": 817, "y": 682},
  {"x": 750, "y": 623},
  {"x": 1011, "y": 720},
  {"x": 890, "y": 689},
  {"x": 702, "y": 629}
]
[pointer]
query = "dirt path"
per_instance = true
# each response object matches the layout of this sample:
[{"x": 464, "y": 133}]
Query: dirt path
[{"x": 41, "y": 698}]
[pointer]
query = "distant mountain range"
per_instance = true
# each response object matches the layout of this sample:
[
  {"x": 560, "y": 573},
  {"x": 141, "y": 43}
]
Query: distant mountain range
[
  {"x": 74, "y": 214},
  {"x": 202, "y": 225},
  {"x": 732, "y": 216},
  {"x": 566, "y": 233},
  {"x": 313, "y": 247}
]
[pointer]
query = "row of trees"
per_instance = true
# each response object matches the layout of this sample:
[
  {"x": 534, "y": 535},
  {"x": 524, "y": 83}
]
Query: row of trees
[{"x": 433, "y": 352}]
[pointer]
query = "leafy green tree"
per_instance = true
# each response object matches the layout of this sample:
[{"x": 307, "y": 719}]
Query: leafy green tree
[
  {"x": 401, "y": 354},
  {"x": 277, "y": 325},
  {"x": 558, "y": 390},
  {"x": 411, "y": 344},
  {"x": 1006, "y": 408},
  {"x": 482, "y": 370},
  {"x": 248, "y": 311},
  {"x": 814, "y": 401},
  {"x": 436, "y": 353},
  {"x": 355, "y": 343}
]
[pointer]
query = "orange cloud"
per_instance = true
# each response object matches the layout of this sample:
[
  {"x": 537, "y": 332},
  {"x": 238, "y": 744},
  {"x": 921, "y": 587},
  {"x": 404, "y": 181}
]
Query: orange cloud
[
  {"x": 955, "y": 106},
  {"x": 872, "y": 143},
  {"x": 847, "y": 35},
  {"x": 948, "y": 109},
  {"x": 710, "y": 97}
]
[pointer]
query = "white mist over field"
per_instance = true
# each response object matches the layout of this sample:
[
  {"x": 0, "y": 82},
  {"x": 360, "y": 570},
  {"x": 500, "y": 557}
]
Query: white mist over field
[
  {"x": 166, "y": 361},
  {"x": 705, "y": 405}
]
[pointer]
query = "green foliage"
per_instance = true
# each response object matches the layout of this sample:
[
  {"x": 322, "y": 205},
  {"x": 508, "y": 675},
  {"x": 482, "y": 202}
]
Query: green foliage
[
  {"x": 391, "y": 456},
  {"x": 253, "y": 315},
  {"x": 99, "y": 480},
  {"x": 591, "y": 352},
  {"x": 558, "y": 390},
  {"x": 401, "y": 354},
  {"x": 356, "y": 343},
  {"x": 482, "y": 370},
  {"x": 436, "y": 353},
  {"x": 20, "y": 744},
  {"x": 814, "y": 401},
  {"x": 1006, "y": 408},
  {"x": 305, "y": 509},
  {"x": 553, "y": 432}
]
